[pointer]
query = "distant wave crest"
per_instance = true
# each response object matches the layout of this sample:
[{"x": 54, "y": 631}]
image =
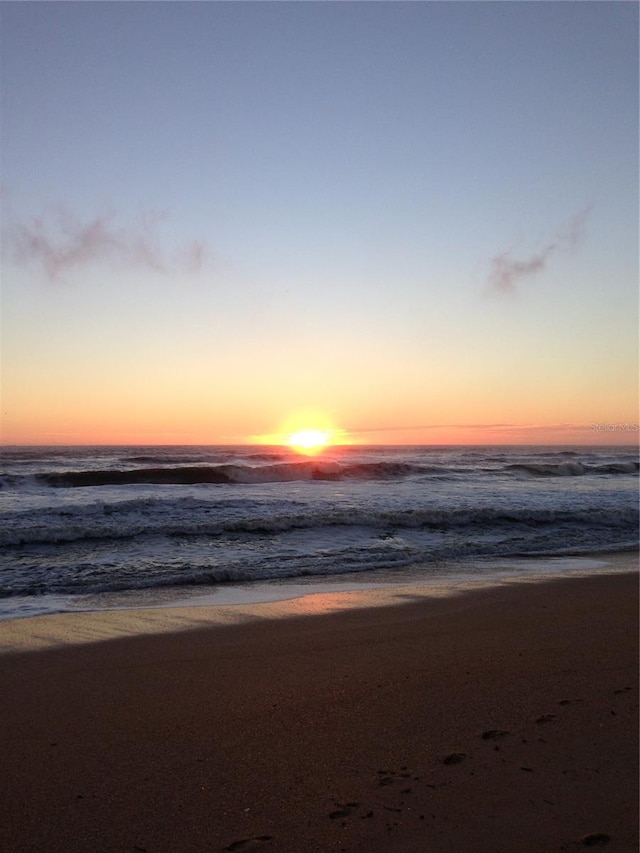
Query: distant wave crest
[
  {"x": 572, "y": 469},
  {"x": 230, "y": 474},
  {"x": 285, "y": 472}
]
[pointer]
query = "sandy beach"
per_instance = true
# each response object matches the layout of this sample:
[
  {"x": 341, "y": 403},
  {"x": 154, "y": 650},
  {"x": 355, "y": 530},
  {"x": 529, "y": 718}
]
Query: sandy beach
[{"x": 497, "y": 720}]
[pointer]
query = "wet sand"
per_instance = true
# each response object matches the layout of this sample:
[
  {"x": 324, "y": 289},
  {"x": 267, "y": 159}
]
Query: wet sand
[{"x": 498, "y": 720}]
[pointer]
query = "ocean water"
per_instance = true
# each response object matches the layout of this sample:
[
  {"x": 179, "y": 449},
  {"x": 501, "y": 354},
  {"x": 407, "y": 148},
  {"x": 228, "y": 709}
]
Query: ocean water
[{"x": 87, "y": 526}]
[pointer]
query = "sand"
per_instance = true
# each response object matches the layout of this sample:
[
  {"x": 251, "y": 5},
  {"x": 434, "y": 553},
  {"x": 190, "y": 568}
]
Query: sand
[{"x": 501, "y": 720}]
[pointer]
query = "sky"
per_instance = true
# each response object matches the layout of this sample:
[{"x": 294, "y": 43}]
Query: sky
[{"x": 407, "y": 223}]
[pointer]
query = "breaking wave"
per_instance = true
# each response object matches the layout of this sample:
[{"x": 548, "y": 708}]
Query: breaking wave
[
  {"x": 308, "y": 470},
  {"x": 233, "y": 474}
]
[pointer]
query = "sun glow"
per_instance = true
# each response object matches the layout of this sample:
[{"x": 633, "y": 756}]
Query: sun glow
[
  {"x": 307, "y": 431},
  {"x": 308, "y": 441}
]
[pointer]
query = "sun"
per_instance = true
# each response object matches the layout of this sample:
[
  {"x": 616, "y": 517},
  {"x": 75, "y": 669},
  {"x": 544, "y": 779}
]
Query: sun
[
  {"x": 307, "y": 431},
  {"x": 308, "y": 441}
]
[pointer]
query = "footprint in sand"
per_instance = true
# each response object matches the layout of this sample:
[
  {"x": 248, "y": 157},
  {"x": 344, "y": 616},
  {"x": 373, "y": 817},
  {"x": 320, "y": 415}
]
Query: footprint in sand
[
  {"x": 596, "y": 839},
  {"x": 343, "y": 810},
  {"x": 248, "y": 843},
  {"x": 494, "y": 734},
  {"x": 454, "y": 758},
  {"x": 387, "y": 777}
]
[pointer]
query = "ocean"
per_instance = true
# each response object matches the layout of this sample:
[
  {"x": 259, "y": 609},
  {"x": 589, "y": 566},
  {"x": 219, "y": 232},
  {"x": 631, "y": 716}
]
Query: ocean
[{"x": 101, "y": 527}]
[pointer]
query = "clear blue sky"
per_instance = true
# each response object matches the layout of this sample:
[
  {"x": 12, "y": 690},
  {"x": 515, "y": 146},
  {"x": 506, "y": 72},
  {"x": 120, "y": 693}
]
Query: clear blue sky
[{"x": 220, "y": 213}]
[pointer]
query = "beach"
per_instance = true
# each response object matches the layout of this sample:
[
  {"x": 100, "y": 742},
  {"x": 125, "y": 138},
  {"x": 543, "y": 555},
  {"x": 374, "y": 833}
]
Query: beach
[{"x": 498, "y": 719}]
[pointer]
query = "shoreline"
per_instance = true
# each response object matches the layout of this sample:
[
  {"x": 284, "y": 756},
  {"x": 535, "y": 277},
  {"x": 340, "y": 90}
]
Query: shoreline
[
  {"x": 501, "y": 720},
  {"x": 105, "y": 617}
]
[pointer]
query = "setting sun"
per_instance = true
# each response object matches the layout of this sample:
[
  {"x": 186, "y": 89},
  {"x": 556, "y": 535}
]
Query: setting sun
[
  {"x": 308, "y": 431},
  {"x": 309, "y": 441}
]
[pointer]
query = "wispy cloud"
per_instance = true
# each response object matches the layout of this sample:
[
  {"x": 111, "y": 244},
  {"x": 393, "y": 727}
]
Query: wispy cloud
[
  {"x": 507, "y": 272},
  {"x": 61, "y": 242}
]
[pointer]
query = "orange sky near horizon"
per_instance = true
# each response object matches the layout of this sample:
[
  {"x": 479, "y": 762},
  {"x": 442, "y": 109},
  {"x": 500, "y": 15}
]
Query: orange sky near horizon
[
  {"x": 132, "y": 376},
  {"x": 60, "y": 386},
  {"x": 98, "y": 424}
]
